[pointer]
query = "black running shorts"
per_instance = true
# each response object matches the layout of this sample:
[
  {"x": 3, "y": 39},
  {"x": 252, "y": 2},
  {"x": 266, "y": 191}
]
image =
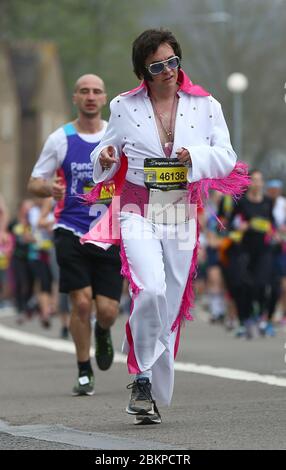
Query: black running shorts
[
  {"x": 42, "y": 273},
  {"x": 87, "y": 265}
]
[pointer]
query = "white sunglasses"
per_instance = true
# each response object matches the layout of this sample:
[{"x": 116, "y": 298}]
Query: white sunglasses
[{"x": 157, "y": 67}]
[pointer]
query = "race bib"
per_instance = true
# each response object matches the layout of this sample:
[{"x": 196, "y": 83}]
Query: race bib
[
  {"x": 165, "y": 174},
  {"x": 235, "y": 236},
  {"x": 4, "y": 261},
  {"x": 45, "y": 245},
  {"x": 260, "y": 225},
  {"x": 168, "y": 207}
]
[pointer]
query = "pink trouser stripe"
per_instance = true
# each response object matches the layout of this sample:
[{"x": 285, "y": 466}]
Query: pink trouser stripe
[{"x": 132, "y": 364}]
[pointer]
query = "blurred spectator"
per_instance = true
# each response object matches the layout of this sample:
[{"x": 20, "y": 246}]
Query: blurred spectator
[
  {"x": 39, "y": 257},
  {"x": 60, "y": 300},
  {"x": 274, "y": 189},
  {"x": 22, "y": 274},
  {"x": 6, "y": 247},
  {"x": 214, "y": 280},
  {"x": 250, "y": 256}
]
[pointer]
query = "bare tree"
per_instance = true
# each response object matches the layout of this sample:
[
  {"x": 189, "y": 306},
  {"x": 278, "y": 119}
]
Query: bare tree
[{"x": 220, "y": 37}]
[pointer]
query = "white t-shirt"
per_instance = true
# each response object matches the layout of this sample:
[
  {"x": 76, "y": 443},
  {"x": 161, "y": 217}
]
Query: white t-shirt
[
  {"x": 279, "y": 211},
  {"x": 55, "y": 149}
]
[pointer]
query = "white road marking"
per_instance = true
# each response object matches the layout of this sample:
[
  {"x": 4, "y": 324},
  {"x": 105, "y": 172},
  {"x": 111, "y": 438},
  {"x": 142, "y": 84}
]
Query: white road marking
[
  {"x": 29, "y": 339},
  {"x": 232, "y": 374},
  {"x": 5, "y": 313}
]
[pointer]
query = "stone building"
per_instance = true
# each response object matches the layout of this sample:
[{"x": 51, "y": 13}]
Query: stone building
[
  {"x": 36, "y": 104},
  {"x": 9, "y": 132}
]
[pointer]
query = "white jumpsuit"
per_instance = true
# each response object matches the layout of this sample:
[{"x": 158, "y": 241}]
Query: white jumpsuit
[{"x": 159, "y": 262}]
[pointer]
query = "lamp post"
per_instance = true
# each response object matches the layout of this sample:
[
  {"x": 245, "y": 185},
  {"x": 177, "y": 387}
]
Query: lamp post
[{"x": 237, "y": 83}]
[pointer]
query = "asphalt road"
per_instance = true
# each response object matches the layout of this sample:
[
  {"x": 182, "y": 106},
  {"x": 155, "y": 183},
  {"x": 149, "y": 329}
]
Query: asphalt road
[{"x": 214, "y": 405}]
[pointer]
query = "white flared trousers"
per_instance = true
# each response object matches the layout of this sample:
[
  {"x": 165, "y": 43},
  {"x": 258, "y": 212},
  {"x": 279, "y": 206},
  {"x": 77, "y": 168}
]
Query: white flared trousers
[{"x": 159, "y": 258}]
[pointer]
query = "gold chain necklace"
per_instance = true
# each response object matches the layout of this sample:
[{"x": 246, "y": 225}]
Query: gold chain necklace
[{"x": 169, "y": 133}]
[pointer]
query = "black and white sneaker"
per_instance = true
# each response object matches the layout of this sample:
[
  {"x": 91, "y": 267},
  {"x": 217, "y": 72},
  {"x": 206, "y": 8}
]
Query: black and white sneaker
[{"x": 141, "y": 403}]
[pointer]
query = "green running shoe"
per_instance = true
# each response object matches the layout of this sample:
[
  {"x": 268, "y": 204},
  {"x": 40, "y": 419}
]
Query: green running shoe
[
  {"x": 104, "y": 351},
  {"x": 84, "y": 385}
]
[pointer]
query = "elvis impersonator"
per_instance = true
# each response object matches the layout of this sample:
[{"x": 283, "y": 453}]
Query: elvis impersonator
[{"x": 166, "y": 142}]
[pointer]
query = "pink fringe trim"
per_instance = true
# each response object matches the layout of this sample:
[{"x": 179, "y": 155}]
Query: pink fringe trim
[
  {"x": 188, "y": 296},
  {"x": 235, "y": 184},
  {"x": 133, "y": 367},
  {"x": 125, "y": 271},
  {"x": 188, "y": 300}
]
